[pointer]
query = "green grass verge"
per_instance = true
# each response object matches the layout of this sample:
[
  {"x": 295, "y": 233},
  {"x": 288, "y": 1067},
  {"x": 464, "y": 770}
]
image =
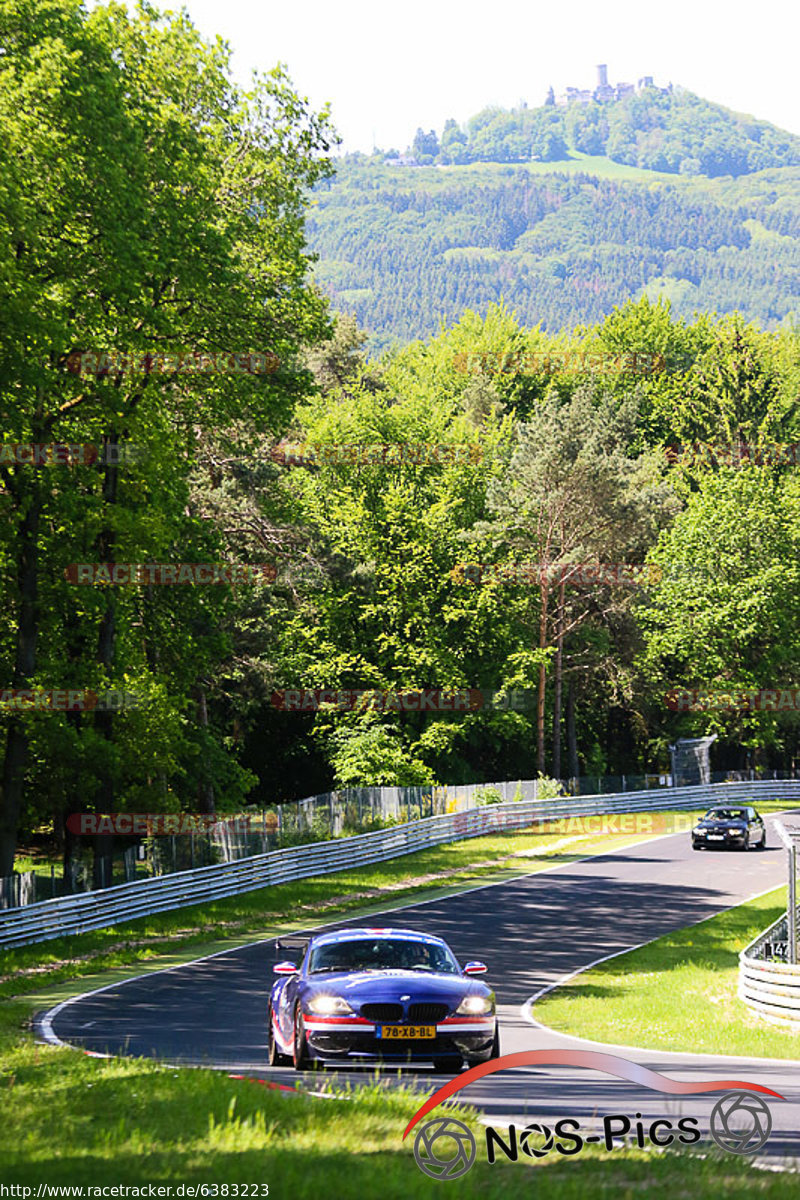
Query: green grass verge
[{"x": 677, "y": 993}]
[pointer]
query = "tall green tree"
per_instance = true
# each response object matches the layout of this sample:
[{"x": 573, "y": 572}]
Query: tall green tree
[
  {"x": 574, "y": 494},
  {"x": 725, "y": 617},
  {"x": 147, "y": 206}
]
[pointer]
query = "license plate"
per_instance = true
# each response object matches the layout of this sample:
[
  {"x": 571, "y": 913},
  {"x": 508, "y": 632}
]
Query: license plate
[
  {"x": 716, "y": 837},
  {"x": 407, "y": 1032}
]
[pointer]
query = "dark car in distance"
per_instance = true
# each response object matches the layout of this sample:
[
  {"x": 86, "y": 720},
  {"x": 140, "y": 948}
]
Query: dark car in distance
[
  {"x": 391, "y": 995},
  {"x": 730, "y": 827}
]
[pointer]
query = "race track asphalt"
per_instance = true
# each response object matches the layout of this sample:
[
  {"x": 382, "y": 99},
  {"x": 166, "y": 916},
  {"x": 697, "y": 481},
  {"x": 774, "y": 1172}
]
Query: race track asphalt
[{"x": 531, "y": 931}]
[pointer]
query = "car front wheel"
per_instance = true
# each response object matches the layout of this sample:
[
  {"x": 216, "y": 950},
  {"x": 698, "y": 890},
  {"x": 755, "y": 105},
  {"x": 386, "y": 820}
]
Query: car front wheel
[
  {"x": 301, "y": 1060},
  {"x": 276, "y": 1058},
  {"x": 746, "y": 842}
]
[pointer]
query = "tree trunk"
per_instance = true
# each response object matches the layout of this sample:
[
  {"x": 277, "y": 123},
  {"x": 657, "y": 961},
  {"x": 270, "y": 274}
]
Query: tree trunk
[
  {"x": 557, "y": 689},
  {"x": 16, "y": 752},
  {"x": 542, "y": 681},
  {"x": 106, "y": 644},
  {"x": 75, "y": 799},
  {"x": 205, "y": 788},
  {"x": 572, "y": 740}
]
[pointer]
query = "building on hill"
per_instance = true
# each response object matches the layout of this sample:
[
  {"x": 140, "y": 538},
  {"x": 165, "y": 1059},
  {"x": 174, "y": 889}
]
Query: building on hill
[
  {"x": 575, "y": 96},
  {"x": 400, "y": 160},
  {"x": 605, "y": 92}
]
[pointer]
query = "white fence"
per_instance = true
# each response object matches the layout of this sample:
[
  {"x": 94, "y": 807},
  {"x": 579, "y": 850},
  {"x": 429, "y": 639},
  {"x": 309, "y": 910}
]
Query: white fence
[{"x": 71, "y": 915}]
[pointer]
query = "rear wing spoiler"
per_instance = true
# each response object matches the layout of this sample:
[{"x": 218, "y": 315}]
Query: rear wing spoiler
[{"x": 296, "y": 944}]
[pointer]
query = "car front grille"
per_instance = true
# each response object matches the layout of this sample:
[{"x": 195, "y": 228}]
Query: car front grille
[
  {"x": 418, "y": 1014},
  {"x": 427, "y": 1014},
  {"x": 382, "y": 1012}
]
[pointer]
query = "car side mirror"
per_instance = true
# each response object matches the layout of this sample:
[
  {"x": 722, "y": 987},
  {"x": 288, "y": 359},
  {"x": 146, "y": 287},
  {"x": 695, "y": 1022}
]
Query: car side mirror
[
  {"x": 475, "y": 968},
  {"x": 284, "y": 968}
]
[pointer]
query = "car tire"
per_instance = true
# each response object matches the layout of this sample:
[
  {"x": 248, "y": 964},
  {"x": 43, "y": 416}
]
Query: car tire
[
  {"x": 746, "y": 843},
  {"x": 275, "y": 1056},
  {"x": 696, "y": 846},
  {"x": 447, "y": 1064},
  {"x": 301, "y": 1059},
  {"x": 496, "y": 1043}
]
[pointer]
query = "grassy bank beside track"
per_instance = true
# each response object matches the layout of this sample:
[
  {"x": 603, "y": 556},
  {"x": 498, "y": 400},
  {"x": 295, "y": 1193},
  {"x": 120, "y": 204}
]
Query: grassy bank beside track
[
  {"x": 676, "y": 993},
  {"x": 72, "y": 1119}
]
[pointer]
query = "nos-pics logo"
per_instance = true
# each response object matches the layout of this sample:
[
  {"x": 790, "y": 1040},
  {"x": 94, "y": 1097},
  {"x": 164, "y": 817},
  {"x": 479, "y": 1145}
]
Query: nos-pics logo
[{"x": 445, "y": 1148}]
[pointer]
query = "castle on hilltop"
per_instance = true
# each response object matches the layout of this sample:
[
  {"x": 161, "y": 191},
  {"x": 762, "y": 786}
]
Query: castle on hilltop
[{"x": 604, "y": 91}]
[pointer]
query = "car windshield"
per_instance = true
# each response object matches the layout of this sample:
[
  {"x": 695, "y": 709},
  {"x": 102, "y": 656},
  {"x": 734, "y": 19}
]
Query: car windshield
[
  {"x": 726, "y": 814},
  {"x": 382, "y": 954}
]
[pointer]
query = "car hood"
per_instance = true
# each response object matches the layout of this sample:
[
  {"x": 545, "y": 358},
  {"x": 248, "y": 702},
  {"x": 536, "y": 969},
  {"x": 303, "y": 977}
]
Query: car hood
[
  {"x": 738, "y": 823},
  {"x": 368, "y": 986}
]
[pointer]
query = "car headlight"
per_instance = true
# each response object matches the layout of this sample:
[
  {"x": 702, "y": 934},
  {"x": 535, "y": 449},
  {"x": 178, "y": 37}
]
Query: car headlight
[
  {"x": 328, "y": 1006},
  {"x": 698, "y": 829},
  {"x": 474, "y": 1006}
]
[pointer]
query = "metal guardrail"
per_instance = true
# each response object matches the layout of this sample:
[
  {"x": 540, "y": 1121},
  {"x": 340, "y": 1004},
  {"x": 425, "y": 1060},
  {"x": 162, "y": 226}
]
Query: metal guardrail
[
  {"x": 342, "y": 813},
  {"x": 767, "y": 983},
  {"x": 66, "y": 916},
  {"x": 769, "y": 973}
]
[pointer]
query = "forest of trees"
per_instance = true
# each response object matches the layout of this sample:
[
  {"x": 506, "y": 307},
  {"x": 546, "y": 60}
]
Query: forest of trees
[
  {"x": 560, "y": 249},
  {"x": 189, "y": 240},
  {"x": 673, "y": 131}
]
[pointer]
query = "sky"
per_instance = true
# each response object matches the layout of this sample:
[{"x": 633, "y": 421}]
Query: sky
[{"x": 387, "y": 69}]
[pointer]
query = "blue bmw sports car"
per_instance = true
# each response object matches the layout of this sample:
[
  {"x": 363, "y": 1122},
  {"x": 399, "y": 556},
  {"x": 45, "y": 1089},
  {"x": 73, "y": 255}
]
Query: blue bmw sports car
[{"x": 388, "y": 994}]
